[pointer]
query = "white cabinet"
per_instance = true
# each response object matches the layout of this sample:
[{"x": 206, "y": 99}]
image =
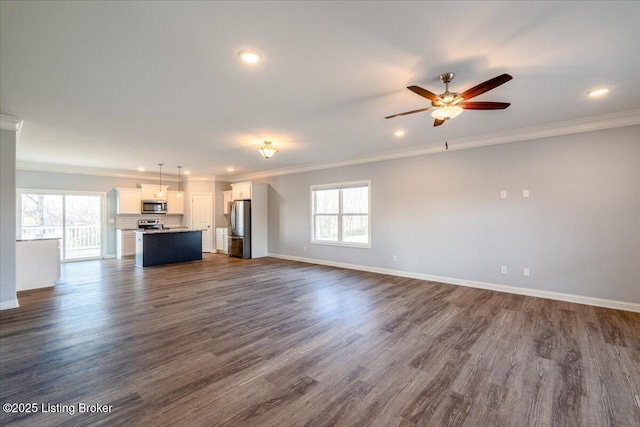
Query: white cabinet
[
  {"x": 222, "y": 239},
  {"x": 175, "y": 203},
  {"x": 226, "y": 201},
  {"x": 257, "y": 192},
  {"x": 259, "y": 220},
  {"x": 125, "y": 243},
  {"x": 37, "y": 263},
  {"x": 128, "y": 201},
  {"x": 241, "y": 191},
  {"x": 150, "y": 191}
]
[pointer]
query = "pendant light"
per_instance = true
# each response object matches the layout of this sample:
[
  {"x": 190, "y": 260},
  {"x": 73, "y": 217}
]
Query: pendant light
[
  {"x": 160, "y": 194},
  {"x": 179, "y": 195},
  {"x": 267, "y": 150}
]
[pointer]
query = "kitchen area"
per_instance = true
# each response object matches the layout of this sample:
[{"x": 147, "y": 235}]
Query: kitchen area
[{"x": 152, "y": 223}]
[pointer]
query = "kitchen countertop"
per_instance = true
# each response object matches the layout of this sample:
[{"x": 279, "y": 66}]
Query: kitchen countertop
[
  {"x": 38, "y": 240},
  {"x": 165, "y": 230}
]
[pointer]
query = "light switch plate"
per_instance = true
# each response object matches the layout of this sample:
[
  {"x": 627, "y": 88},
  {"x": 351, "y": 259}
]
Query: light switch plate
[
  {"x": 503, "y": 194},
  {"x": 526, "y": 272},
  {"x": 525, "y": 193},
  {"x": 503, "y": 269}
]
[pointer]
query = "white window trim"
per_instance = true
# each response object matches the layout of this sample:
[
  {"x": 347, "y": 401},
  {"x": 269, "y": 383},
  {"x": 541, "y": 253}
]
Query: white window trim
[{"x": 337, "y": 186}]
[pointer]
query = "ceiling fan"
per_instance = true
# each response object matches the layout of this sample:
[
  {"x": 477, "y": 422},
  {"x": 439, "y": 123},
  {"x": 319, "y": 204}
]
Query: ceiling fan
[{"x": 448, "y": 105}]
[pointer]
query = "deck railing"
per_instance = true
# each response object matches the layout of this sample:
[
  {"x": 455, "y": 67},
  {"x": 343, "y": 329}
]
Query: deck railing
[{"x": 78, "y": 238}]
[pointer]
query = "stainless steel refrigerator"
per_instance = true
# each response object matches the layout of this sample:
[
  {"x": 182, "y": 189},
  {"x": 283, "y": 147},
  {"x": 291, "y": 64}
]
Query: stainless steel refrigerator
[{"x": 240, "y": 235}]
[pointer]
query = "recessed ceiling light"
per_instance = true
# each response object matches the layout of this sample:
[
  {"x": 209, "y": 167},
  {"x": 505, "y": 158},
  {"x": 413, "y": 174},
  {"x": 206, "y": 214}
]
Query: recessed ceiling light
[
  {"x": 187, "y": 172},
  {"x": 230, "y": 169},
  {"x": 250, "y": 56},
  {"x": 140, "y": 169},
  {"x": 599, "y": 91},
  {"x": 399, "y": 133}
]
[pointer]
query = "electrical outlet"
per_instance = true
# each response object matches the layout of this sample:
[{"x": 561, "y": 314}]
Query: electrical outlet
[
  {"x": 503, "y": 269},
  {"x": 305, "y": 248},
  {"x": 395, "y": 258},
  {"x": 526, "y": 272},
  {"x": 503, "y": 194}
]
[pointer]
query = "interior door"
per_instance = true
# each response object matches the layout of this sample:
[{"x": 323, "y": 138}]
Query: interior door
[{"x": 201, "y": 217}]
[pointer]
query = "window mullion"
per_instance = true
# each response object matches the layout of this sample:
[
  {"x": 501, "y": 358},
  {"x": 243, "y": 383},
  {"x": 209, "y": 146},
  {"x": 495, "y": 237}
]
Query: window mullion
[
  {"x": 64, "y": 227},
  {"x": 340, "y": 215}
]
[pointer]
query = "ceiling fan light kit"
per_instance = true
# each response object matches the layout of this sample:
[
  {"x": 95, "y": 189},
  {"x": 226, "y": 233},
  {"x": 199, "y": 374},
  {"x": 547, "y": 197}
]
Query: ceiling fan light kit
[{"x": 447, "y": 112}]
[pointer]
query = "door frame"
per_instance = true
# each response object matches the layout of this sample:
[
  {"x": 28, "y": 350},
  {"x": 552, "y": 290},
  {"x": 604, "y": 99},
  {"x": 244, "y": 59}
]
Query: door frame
[
  {"x": 103, "y": 214},
  {"x": 211, "y": 228}
]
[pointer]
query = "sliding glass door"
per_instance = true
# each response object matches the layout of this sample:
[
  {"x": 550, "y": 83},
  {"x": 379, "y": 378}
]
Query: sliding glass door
[{"x": 75, "y": 218}]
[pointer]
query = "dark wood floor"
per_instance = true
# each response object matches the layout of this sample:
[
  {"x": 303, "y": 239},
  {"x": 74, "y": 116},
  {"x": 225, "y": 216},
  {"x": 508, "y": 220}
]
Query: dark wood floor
[{"x": 277, "y": 343}]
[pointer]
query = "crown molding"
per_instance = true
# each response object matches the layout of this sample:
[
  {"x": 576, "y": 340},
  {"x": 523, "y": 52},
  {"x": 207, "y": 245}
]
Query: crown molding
[
  {"x": 11, "y": 123},
  {"x": 586, "y": 124},
  {"x": 202, "y": 178},
  {"x": 81, "y": 170}
]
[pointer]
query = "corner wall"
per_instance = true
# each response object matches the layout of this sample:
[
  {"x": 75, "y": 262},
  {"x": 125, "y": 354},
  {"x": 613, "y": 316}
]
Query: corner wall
[
  {"x": 442, "y": 215},
  {"x": 8, "y": 298}
]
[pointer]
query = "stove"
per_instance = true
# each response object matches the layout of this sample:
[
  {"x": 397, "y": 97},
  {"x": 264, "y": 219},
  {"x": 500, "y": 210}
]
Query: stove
[{"x": 150, "y": 224}]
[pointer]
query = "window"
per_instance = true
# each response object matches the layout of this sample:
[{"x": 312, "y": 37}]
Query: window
[{"x": 340, "y": 214}]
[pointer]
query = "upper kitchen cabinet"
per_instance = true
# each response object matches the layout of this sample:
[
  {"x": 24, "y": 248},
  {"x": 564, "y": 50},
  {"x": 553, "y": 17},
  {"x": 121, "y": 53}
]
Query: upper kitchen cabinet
[
  {"x": 175, "y": 203},
  {"x": 128, "y": 201},
  {"x": 241, "y": 191},
  {"x": 150, "y": 191},
  {"x": 227, "y": 197}
]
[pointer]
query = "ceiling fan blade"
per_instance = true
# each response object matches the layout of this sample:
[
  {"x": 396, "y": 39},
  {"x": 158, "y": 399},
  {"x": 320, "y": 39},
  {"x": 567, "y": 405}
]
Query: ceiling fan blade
[
  {"x": 484, "y": 87},
  {"x": 437, "y": 122},
  {"x": 484, "y": 105},
  {"x": 425, "y": 93},
  {"x": 409, "y": 112}
]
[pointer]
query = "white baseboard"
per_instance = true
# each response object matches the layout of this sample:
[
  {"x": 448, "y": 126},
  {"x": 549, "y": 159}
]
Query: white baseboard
[
  {"x": 579, "y": 299},
  {"x": 6, "y": 305},
  {"x": 109, "y": 256}
]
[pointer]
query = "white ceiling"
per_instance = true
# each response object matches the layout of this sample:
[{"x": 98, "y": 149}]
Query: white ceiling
[{"x": 120, "y": 85}]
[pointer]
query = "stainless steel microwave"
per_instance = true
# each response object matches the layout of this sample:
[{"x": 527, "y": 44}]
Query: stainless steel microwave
[{"x": 154, "y": 207}]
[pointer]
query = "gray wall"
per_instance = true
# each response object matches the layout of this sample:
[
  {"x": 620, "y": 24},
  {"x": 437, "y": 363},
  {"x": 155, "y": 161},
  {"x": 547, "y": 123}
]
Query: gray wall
[
  {"x": 222, "y": 220},
  {"x": 7, "y": 218},
  {"x": 441, "y": 214}
]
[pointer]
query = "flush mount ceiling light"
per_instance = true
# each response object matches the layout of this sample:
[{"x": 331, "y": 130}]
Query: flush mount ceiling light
[
  {"x": 267, "y": 150},
  {"x": 250, "y": 56},
  {"x": 594, "y": 93}
]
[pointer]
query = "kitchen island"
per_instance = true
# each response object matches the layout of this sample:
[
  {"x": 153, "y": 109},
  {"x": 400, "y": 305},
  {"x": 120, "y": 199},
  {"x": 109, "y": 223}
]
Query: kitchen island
[{"x": 167, "y": 246}]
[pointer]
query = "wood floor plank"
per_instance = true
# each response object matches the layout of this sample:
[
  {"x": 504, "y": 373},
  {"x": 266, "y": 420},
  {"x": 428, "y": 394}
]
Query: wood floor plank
[{"x": 271, "y": 342}]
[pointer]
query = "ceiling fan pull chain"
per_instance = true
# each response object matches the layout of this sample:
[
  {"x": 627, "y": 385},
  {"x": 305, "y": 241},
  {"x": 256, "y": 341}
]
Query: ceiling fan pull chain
[{"x": 446, "y": 135}]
